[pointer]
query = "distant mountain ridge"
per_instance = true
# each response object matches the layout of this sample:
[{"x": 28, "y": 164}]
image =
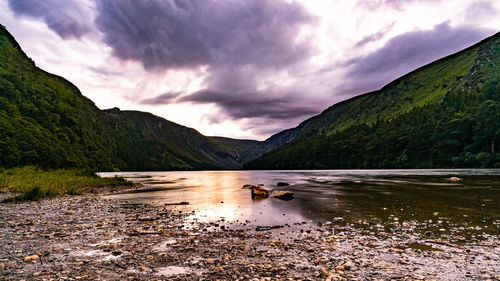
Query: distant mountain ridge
[{"x": 458, "y": 88}]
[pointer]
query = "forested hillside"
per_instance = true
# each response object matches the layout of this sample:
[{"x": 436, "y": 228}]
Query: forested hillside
[
  {"x": 445, "y": 114},
  {"x": 44, "y": 119}
]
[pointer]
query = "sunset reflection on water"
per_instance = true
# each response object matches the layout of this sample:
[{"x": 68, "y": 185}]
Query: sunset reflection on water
[
  {"x": 363, "y": 198},
  {"x": 213, "y": 195}
]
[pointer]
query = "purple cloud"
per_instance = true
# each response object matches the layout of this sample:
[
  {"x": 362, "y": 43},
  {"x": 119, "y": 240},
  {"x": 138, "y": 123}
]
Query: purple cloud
[
  {"x": 241, "y": 43},
  {"x": 255, "y": 104},
  {"x": 481, "y": 10},
  {"x": 186, "y": 34},
  {"x": 405, "y": 53},
  {"x": 65, "y": 17},
  {"x": 161, "y": 99},
  {"x": 375, "y": 36}
]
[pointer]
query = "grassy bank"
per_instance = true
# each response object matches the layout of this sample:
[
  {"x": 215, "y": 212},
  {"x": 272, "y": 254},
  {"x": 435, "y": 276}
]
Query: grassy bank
[{"x": 30, "y": 183}]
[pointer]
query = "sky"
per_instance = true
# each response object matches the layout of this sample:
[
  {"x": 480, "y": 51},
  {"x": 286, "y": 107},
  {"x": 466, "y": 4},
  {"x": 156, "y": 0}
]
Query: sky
[{"x": 238, "y": 68}]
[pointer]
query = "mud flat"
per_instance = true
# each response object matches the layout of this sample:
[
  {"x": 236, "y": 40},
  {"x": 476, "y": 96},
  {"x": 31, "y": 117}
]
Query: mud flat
[{"x": 93, "y": 238}]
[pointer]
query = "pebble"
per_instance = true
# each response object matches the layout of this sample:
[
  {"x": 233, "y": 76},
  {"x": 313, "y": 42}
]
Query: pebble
[
  {"x": 348, "y": 265},
  {"x": 31, "y": 258}
]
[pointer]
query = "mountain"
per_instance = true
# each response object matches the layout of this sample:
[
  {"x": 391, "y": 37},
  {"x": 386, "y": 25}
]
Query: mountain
[
  {"x": 46, "y": 121},
  {"x": 445, "y": 114},
  {"x": 143, "y": 141},
  {"x": 247, "y": 150}
]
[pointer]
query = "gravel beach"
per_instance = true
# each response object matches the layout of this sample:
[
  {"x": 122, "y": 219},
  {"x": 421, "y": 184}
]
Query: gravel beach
[{"x": 89, "y": 237}]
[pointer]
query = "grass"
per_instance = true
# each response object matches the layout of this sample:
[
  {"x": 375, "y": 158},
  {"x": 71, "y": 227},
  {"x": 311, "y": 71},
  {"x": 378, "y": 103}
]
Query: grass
[{"x": 31, "y": 184}]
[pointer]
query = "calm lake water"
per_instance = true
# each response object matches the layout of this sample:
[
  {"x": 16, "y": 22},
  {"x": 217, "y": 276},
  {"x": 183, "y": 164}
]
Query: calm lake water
[{"x": 373, "y": 200}]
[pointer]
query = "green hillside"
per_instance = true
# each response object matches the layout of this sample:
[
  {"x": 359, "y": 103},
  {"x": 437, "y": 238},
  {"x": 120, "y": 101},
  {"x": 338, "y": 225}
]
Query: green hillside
[
  {"x": 43, "y": 118},
  {"x": 46, "y": 121},
  {"x": 143, "y": 141},
  {"x": 445, "y": 114}
]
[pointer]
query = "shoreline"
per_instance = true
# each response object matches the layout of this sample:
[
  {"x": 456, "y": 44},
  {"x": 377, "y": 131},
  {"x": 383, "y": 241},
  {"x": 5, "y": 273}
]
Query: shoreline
[{"x": 89, "y": 237}]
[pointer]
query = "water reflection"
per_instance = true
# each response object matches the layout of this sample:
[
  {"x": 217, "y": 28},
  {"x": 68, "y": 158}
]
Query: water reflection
[{"x": 425, "y": 200}]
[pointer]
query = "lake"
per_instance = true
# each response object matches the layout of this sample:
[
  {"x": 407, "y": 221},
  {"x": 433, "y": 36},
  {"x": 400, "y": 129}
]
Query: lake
[{"x": 379, "y": 202}]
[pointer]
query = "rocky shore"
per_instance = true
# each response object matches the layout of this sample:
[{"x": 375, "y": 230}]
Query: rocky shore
[{"x": 92, "y": 238}]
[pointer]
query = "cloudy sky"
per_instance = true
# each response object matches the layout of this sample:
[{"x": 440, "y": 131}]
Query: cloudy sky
[{"x": 237, "y": 68}]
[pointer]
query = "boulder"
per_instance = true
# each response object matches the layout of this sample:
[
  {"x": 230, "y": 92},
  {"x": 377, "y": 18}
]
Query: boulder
[
  {"x": 455, "y": 179},
  {"x": 282, "y": 194},
  {"x": 249, "y": 186},
  {"x": 259, "y": 191}
]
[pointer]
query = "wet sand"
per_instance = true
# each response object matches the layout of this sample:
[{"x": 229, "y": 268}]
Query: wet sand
[{"x": 91, "y": 237}]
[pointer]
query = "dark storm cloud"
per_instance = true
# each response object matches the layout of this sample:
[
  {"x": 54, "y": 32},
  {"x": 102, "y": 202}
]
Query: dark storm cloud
[
  {"x": 65, "y": 17},
  {"x": 161, "y": 99},
  {"x": 407, "y": 52},
  {"x": 241, "y": 43},
  {"x": 185, "y": 34},
  {"x": 251, "y": 104}
]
